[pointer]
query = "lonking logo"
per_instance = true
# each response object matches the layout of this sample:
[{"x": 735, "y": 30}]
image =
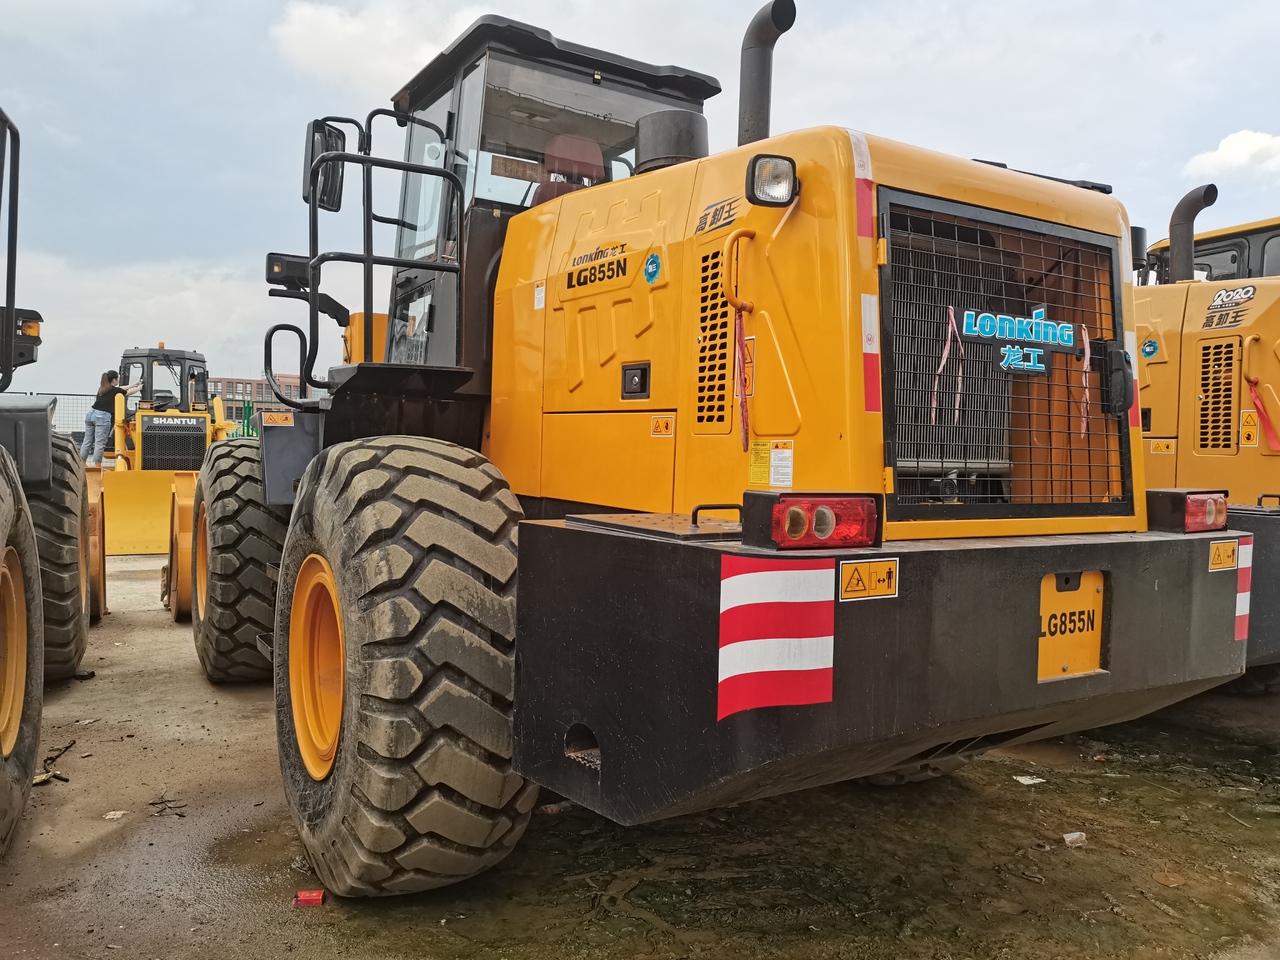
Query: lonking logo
[{"x": 1023, "y": 341}]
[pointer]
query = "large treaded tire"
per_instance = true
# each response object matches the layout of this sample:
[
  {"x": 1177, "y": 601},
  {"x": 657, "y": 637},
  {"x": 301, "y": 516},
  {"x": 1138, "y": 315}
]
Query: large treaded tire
[
  {"x": 17, "y": 769},
  {"x": 61, "y": 518},
  {"x": 421, "y": 537},
  {"x": 245, "y": 539}
]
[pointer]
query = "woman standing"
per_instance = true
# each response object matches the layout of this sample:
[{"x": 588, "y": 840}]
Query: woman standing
[{"x": 102, "y": 416}]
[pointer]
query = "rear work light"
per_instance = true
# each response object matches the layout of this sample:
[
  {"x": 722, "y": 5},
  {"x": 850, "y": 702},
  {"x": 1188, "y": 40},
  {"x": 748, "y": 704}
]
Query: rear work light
[
  {"x": 811, "y": 522},
  {"x": 1206, "y": 511}
]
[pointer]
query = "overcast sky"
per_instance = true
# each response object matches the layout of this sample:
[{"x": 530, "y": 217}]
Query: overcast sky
[{"x": 162, "y": 139}]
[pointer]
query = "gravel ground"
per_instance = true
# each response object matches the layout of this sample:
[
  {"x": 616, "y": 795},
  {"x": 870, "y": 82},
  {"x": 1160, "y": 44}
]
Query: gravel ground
[{"x": 1181, "y": 814}]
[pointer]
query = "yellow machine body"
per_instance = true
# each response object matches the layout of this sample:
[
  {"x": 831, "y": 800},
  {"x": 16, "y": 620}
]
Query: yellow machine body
[
  {"x": 138, "y": 503},
  {"x": 1201, "y": 343},
  {"x": 630, "y": 272}
]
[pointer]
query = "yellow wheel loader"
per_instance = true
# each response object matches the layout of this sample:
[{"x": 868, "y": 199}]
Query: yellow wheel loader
[
  {"x": 44, "y": 535},
  {"x": 159, "y": 442},
  {"x": 820, "y": 453},
  {"x": 1208, "y": 321}
]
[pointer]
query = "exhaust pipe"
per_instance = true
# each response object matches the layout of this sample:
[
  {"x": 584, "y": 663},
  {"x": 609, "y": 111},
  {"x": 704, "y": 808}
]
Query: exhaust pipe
[
  {"x": 1182, "y": 231},
  {"x": 755, "y": 86}
]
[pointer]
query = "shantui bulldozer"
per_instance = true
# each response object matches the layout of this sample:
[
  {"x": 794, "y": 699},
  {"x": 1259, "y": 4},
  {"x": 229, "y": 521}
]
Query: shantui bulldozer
[
  {"x": 158, "y": 445},
  {"x": 44, "y": 534},
  {"x": 1208, "y": 319},
  {"x": 820, "y": 452}
]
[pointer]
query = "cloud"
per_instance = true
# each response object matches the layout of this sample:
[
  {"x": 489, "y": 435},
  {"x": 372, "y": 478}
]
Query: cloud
[
  {"x": 1244, "y": 150},
  {"x": 376, "y": 49},
  {"x": 92, "y": 314}
]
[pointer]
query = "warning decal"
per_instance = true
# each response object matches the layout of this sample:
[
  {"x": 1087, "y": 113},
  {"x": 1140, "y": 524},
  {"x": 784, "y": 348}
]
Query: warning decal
[
  {"x": 1222, "y": 554},
  {"x": 1248, "y": 428},
  {"x": 277, "y": 419},
  {"x": 662, "y": 426},
  {"x": 540, "y": 295},
  {"x": 1162, "y": 446},
  {"x": 781, "y": 462},
  {"x": 758, "y": 463},
  {"x": 868, "y": 579}
]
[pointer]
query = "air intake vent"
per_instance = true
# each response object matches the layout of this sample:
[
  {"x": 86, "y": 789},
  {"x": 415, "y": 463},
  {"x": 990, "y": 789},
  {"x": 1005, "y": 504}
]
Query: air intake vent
[
  {"x": 1217, "y": 420},
  {"x": 714, "y": 365}
]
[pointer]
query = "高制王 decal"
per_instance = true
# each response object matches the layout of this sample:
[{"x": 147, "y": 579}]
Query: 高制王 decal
[
  {"x": 718, "y": 214},
  {"x": 1229, "y": 307}
]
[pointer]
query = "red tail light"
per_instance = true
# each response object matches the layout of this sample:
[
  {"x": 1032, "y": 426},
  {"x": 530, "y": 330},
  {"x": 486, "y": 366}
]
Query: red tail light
[
  {"x": 827, "y": 522},
  {"x": 1206, "y": 511}
]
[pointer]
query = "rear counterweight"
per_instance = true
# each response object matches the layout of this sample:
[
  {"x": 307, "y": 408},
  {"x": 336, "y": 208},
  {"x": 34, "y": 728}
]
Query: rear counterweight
[{"x": 627, "y": 702}]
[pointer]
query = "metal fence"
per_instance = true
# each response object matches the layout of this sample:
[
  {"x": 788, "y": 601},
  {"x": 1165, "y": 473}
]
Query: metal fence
[{"x": 69, "y": 411}]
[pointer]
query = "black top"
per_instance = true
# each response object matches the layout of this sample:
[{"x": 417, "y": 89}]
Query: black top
[
  {"x": 528, "y": 41},
  {"x": 106, "y": 402}
]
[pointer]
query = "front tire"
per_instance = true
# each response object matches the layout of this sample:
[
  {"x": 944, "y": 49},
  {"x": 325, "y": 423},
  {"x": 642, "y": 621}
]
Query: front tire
[
  {"x": 61, "y": 518},
  {"x": 21, "y": 651},
  {"x": 237, "y": 540},
  {"x": 394, "y": 666}
]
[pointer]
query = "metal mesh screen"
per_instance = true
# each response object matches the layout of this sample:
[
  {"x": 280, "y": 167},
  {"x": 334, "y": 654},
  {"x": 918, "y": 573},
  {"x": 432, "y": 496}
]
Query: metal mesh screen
[
  {"x": 1217, "y": 420},
  {"x": 714, "y": 340},
  {"x": 976, "y": 434},
  {"x": 178, "y": 447}
]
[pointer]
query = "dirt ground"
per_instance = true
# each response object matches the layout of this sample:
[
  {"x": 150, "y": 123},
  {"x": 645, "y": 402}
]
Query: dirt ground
[{"x": 1181, "y": 814}]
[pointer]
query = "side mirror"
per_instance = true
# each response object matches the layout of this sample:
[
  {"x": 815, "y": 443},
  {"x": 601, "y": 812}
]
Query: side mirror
[{"x": 323, "y": 138}]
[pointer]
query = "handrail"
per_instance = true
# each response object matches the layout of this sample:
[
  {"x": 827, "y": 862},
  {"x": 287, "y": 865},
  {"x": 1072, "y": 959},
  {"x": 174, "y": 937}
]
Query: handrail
[
  {"x": 729, "y": 269},
  {"x": 9, "y": 317},
  {"x": 368, "y": 259},
  {"x": 1244, "y": 358},
  {"x": 269, "y": 372}
]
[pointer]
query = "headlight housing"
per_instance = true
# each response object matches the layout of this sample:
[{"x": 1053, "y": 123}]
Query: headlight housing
[{"x": 772, "y": 180}]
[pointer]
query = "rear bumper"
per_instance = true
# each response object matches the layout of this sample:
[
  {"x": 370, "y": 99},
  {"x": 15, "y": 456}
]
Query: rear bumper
[{"x": 619, "y": 642}]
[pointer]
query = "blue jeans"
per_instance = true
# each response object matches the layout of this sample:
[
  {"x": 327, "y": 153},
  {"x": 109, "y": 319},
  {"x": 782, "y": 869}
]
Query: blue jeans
[{"x": 97, "y": 428}]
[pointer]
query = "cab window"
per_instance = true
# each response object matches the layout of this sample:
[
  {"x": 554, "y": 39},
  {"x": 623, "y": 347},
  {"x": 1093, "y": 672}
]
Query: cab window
[
  {"x": 1222, "y": 264},
  {"x": 1271, "y": 258},
  {"x": 538, "y": 132}
]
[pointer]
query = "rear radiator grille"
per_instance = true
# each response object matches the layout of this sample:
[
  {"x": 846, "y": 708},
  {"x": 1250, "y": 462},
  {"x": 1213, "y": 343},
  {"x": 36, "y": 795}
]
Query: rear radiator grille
[
  {"x": 1015, "y": 446},
  {"x": 714, "y": 363},
  {"x": 1217, "y": 395}
]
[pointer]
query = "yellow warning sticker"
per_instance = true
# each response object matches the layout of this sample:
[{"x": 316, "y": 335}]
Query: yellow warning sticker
[
  {"x": 1222, "y": 554},
  {"x": 1248, "y": 428},
  {"x": 1162, "y": 446},
  {"x": 758, "y": 463},
  {"x": 868, "y": 579},
  {"x": 277, "y": 419},
  {"x": 663, "y": 426}
]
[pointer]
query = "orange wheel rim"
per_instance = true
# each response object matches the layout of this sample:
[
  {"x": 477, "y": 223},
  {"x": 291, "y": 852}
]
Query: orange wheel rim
[
  {"x": 202, "y": 561},
  {"x": 84, "y": 564},
  {"x": 317, "y": 665},
  {"x": 13, "y": 650}
]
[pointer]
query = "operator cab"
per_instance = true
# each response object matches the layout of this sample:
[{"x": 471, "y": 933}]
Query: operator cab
[
  {"x": 521, "y": 118},
  {"x": 1233, "y": 253},
  {"x": 172, "y": 380}
]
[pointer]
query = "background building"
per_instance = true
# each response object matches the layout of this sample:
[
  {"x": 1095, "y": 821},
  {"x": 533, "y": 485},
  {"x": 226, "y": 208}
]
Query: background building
[{"x": 241, "y": 396}]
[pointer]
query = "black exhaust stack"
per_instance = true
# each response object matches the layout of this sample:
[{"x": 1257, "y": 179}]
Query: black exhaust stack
[
  {"x": 1182, "y": 231},
  {"x": 755, "y": 87}
]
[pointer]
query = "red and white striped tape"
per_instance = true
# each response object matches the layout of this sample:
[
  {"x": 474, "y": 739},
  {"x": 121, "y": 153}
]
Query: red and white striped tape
[{"x": 1244, "y": 583}]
